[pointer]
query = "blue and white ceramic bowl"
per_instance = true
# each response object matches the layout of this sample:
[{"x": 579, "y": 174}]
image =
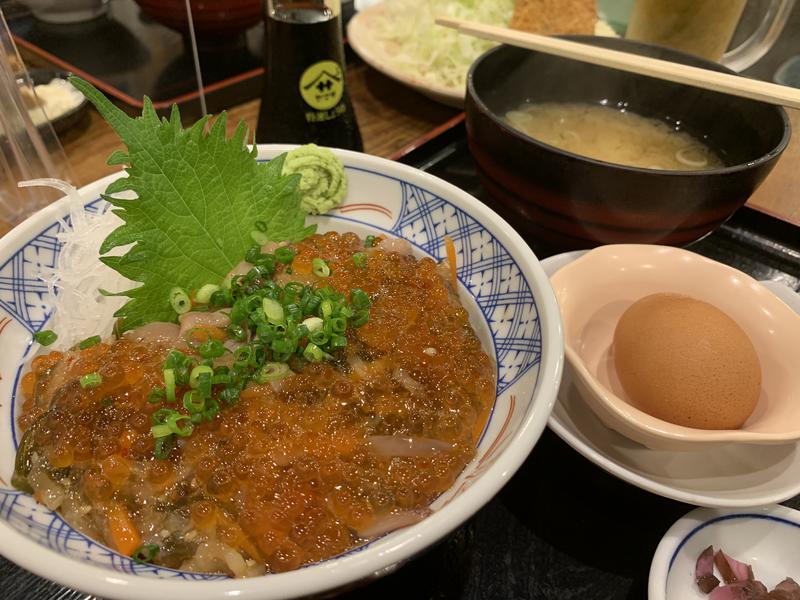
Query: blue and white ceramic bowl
[
  {"x": 512, "y": 309},
  {"x": 766, "y": 538}
]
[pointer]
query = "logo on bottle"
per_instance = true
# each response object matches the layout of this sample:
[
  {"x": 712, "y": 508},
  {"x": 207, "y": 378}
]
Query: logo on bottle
[{"x": 322, "y": 85}]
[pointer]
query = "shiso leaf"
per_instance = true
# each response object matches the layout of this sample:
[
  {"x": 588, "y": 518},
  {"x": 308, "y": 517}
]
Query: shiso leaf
[{"x": 198, "y": 197}]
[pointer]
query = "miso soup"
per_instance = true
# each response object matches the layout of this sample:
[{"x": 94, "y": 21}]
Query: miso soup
[{"x": 613, "y": 135}]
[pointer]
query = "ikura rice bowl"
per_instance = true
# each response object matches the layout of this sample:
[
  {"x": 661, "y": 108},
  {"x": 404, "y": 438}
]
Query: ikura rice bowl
[
  {"x": 268, "y": 396},
  {"x": 301, "y": 463}
]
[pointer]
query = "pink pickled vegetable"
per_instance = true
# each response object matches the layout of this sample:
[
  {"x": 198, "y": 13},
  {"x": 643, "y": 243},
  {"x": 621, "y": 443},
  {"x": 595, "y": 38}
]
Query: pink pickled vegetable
[
  {"x": 740, "y": 590},
  {"x": 785, "y": 590},
  {"x": 740, "y": 583},
  {"x": 704, "y": 571},
  {"x": 732, "y": 569}
]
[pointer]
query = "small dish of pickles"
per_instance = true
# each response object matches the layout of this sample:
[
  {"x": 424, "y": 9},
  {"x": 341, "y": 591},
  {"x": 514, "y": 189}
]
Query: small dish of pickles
[{"x": 712, "y": 554}]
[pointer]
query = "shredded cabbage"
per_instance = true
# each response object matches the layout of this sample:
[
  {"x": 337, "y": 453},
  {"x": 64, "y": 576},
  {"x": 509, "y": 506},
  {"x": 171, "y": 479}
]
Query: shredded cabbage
[{"x": 438, "y": 55}]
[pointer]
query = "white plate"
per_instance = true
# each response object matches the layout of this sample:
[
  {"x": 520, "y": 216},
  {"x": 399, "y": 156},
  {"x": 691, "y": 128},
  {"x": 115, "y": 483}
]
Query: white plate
[
  {"x": 376, "y": 54},
  {"x": 729, "y": 476},
  {"x": 766, "y": 538}
]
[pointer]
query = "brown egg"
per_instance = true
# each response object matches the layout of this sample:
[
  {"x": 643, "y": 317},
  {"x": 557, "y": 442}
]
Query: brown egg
[{"x": 686, "y": 362}]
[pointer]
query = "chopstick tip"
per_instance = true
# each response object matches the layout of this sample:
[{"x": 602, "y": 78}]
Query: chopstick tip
[{"x": 448, "y": 22}]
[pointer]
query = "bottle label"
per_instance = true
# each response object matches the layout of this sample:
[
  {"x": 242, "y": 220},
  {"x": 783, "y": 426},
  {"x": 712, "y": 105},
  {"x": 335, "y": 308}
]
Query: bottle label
[{"x": 322, "y": 86}]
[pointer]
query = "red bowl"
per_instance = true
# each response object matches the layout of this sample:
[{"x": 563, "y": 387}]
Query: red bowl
[
  {"x": 211, "y": 17},
  {"x": 569, "y": 201}
]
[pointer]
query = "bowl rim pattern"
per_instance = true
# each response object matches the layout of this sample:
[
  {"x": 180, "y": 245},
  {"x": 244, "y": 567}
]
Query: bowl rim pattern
[{"x": 501, "y": 459}]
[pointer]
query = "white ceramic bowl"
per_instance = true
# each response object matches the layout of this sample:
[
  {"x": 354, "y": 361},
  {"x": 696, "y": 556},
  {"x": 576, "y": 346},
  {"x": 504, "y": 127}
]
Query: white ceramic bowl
[
  {"x": 512, "y": 309},
  {"x": 727, "y": 476},
  {"x": 766, "y": 538},
  {"x": 66, "y": 11},
  {"x": 594, "y": 291}
]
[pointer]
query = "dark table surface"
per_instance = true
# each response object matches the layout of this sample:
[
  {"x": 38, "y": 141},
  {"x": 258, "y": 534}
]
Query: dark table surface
[
  {"x": 562, "y": 528},
  {"x": 133, "y": 55}
]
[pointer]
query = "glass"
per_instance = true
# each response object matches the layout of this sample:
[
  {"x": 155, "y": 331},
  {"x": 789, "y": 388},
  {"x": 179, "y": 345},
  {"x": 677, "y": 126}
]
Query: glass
[
  {"x": 705, "y": 28},
  {"x": 27, "y": 151},
  {"x": 305, "y": 97}
]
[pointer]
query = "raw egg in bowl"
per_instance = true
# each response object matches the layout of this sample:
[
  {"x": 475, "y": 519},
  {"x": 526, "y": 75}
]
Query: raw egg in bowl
[{"x": 594, "y": 293}]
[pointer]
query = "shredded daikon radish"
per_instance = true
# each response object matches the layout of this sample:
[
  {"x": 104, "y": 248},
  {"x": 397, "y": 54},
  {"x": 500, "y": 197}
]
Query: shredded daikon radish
[{"x": 79, "y": 309}]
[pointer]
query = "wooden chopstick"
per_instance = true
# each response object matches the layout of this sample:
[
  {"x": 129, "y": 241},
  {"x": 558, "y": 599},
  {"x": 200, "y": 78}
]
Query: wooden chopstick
[{"x": 735, "y": 85}]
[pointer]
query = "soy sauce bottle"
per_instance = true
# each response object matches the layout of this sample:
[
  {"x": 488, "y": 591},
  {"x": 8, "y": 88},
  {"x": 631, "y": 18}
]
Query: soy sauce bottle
[{"x": 305, "y": 99}]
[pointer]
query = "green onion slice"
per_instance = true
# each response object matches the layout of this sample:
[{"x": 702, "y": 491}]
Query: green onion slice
[
  {"x": 236, "y": 332},
  {"x": 242, "y": 356},
  {"x": 273, "y": 311},
  {"x": 221, "y": 379},
  {"x": 160, "y": 430},
  {"x": 338, "y": 324},
  {"x": 164, "y": 446},
  {"x": 359, "y": 318},
  {"x": 92, "y": 380},
  {"x": 45, "y": 337},
  {"x": 229, "y": 395},
  {"x": 313, "y": 353},
  {"x": 203, "y": 295},
  {"x": 204, "y": 384},
  {"x": 179, "y": 300},
  {"x": 169, "y": 384},
  {"x": 196, "y": 372},
  {"x": 326, "y": 308},
  {"x": 160, "y": 415},
  {"x": 259, "y": 237},
  {"x": 360, "y": 260},
  {"x": 320, "y": 268},
  {"x": 194, "y": 402},
  {"x": 318, "y": 337},
  {"x": 313, "y": 324},
  {"x": 173, "y": 422},
  {"x": 359, "y": 298},
  {"x": 156, "y": 395},
  {"x": 272, "y": 371},
  {"x": 89, "y": 342},
  {"x": 284, "y": 255},
  {"x": 212, "y": 408},
  {"x": 145, "y": 553},
  {"x": 211, "y": 349},
  {"x": 338, "y": 341},
  {"x": 253, "y": 254}
]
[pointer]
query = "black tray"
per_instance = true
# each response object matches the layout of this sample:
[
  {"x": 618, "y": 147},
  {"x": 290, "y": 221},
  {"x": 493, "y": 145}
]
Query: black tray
[{"x": 562, "y": 528}]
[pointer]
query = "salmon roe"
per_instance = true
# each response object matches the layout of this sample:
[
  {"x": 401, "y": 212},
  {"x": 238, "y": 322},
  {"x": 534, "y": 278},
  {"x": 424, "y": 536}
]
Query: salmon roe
[{"x": 297, "y": 470}]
